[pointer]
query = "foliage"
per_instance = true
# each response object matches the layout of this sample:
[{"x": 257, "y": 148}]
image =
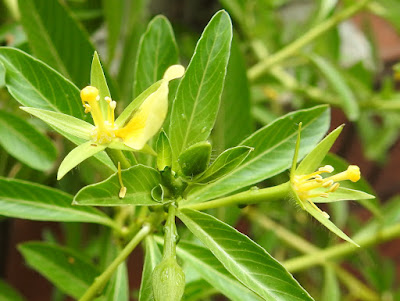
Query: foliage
[{"x": 239, "y": 119}]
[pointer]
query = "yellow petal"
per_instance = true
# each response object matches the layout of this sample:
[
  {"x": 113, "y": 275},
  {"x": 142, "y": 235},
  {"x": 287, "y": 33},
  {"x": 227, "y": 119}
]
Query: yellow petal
[{"x": 150, "y": 116}]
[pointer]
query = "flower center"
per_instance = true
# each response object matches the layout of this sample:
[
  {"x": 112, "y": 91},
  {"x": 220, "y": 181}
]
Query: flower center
[
  {"x": 306, "y": 185},
  {"x": 103, "y": 132}
]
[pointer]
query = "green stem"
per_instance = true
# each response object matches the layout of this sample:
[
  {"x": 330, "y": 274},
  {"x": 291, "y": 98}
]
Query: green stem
[
  {"x": 99, "y": 283},
  {"x": 252, "y": 196},
  {"x": 170, "y": 234},
  {"x": 116, "y": 156},
  {"x": 260, "y": 68},
  {"x": 344, "y": 249},
  {"x": 355, "y": 286}
]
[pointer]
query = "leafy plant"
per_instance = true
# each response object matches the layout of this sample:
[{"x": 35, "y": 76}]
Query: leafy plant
[{"x": 201, "y": 146}]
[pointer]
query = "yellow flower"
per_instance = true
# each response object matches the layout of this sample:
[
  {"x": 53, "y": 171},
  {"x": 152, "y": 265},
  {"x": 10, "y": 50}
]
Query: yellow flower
[{"x": 313, "y": 185}]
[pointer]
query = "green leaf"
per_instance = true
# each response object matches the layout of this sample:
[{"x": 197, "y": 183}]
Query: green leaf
[
  {"x": 7, "y": 293},
  {"x": 57, "y": 39},
  {"x": 317, "y": 214},
  {"x": 135, "y": 19},
  {"x": 139, "y": 181},
  {"x": 77, "y": 155},
  {"x": 343, "y": 194},
  {"x": 157, "y": 51},
  {"x": 234, "y": 121},
  {"x": 210, "y": 269},
  {"x": 243, "y": 258},
  {"x": 198, "y": 96},
  {"x": 118, "y": 288},
  {"x": 163, "y": 148},
  {"x": 194, "y": 160},
  {"x": 313, "y": 160},
  {"x": 34, "y": 84},
  {"x": 273, "y": 151},
  {"x": 24, "y": 142},
  {"x": 66, "y": 269},
  {"x": 21, "y": 199},
  {"x": 225, "y": 163},
  {"x": 335, "y": 79},
  {"x": 63, "y": 123},
  {"x": 98, "y": 80},
  {"x": 198, "y": 290},
  {"x": 151, "y": 260}
]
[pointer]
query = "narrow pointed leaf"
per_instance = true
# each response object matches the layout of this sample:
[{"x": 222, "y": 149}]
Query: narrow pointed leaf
[
  {"x": 273, "y": 151},
  {"x": 62, "y": 122},
  {"x": 77, "y": 155},
  {"x": 152, "y": 258},
  {"x": 313, "y": 160},
  {"x": 34, "y": 84},
  {"x": 157, "y": 51},
  {"x": 67, "y": 270},
  {"x": 21, "y": 199},
  {"x": 243, "y": 258},
  {"x": 225, "y": 163},
  {"x": 113, "y": 11},
  {"x": 343, "y": 194},
  {"x": 139, "y": 181},
  {"x": 214, "y": 272},
  {"x": 164, "y": 154},
  {"x": 336, "y": 80},
  {"x": 326, "y": 222},
  {"x": 22, "y": 141},
  {"x": 198, "y": 96},
  {"x": 57, "y": 39}
]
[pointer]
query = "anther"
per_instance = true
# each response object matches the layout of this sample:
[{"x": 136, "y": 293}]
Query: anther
[
  {"x": 334, "y": 187},
  {"x": 122, "y": 191},
  {"x": 328, "y": 183},
  {"x": 326, "y": 168}
]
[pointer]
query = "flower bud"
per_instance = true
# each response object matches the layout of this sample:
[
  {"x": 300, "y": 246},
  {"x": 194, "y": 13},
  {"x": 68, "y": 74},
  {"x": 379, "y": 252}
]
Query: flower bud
[{"x": 168, "y": 281}]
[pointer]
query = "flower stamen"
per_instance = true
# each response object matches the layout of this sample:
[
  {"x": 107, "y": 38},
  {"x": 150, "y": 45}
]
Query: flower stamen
[{"x": 304, "y": 184}]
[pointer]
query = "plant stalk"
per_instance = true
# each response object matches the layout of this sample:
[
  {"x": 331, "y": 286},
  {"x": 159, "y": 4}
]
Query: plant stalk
[
  {"x": 252, "y": 196},
  {"x": 98, "y": 285},
  {"x": 260, "y": 68},
  {"x": 116, "y": 156},
  {"x": 343, "y": 249}
]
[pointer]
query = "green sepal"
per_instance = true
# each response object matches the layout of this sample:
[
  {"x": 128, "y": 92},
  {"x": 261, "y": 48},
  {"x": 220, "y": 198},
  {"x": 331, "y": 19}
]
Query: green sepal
[
  {"x": 342, "y": 194},
  {"x": 225, "y": 163},
  {"x": 63, "y": 122},
  {"x": 77, "y": 155},
  {"x": 98, "y": 80},
  {"x": 135, "y": 104},
  {"x": 326, "y": 222},
  {"x": 195, "y": 159},
  {"x": 314, "y": 158},
  {"x": 163, "y": 149}
]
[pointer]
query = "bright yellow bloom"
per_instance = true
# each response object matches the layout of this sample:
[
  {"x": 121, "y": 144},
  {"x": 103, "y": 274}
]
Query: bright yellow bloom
[
  {"x": 314, "y": 185},
  {"x": 144, "y": 123}
]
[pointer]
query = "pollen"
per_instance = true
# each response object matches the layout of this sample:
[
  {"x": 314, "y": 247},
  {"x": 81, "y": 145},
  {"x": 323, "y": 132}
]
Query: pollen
[{"x": 308, "y": 186}]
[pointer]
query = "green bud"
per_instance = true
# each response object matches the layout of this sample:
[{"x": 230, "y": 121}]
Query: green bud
[
  {"x": 195, "y": 159},
  {"x": 168, "y": 281}
]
